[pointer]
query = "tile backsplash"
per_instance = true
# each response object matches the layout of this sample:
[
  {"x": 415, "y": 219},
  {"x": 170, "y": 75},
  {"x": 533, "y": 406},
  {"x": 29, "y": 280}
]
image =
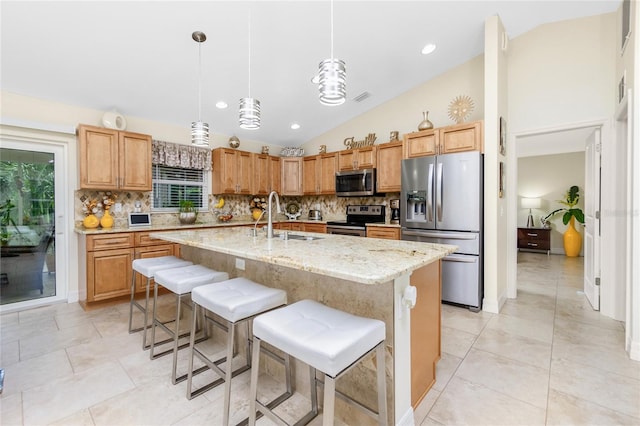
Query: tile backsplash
[{"x": 331, "y": 207}]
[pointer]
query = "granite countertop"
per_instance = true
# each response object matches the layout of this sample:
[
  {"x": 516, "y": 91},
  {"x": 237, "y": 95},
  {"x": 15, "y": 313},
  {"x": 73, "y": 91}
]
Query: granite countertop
[
  {"x": 370, "y": 261},
  {"x": 385, "y": 225},
  {"x": 164, "y": 227}
]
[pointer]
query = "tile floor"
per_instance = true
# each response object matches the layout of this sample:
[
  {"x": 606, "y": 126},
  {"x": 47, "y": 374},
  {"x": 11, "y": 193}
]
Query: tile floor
[{"x": 547, "y": 358}]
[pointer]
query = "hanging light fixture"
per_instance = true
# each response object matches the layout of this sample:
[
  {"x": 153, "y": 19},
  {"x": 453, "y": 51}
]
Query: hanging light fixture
[
  {"x": 199, "y": 130},
  {"x": 249, "y": 107},
  {"x": 333, "y": 77}
]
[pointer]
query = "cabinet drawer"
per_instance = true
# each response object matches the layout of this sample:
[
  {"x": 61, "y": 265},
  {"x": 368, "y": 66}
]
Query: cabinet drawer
[
  {"x": 534, "y": 244},
  {"x": 386, "y": 233},
  {"x": 533, "y": 234},
  {"x": 110, "y": 241},
  {"x": 143, "y": 239},
  {"x": 315, "y": 227}
]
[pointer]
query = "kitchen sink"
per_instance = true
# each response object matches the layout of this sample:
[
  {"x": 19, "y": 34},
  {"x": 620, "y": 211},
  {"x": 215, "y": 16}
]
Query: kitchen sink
[{"x": 299, "y": 237}]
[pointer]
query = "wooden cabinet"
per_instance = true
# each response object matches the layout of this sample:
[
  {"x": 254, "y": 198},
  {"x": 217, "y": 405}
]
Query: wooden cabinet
[
  {"x": 108, "y": 265},
  {"x": 425, "y": 330},
  {"x": 320, "y": 228},
  {"x": 419, "y": 144},
  {"x": 113, "y": 160},
  {"x": 319, "y": 174},
  {"x": 266, "y": 174},
  {"x": 291, "y": 175},
  {"x": 389, "y": 167},
  {"x": 232, "y": 171},
  {"x": 385, "y": 232},
  {"x": 534, "y": 239},
  {"x": 445, "y": 140},
  {"x": 108, "y": 259},
  {"x": 462, "y": 137},
  {"x": 360, "y": 158}
]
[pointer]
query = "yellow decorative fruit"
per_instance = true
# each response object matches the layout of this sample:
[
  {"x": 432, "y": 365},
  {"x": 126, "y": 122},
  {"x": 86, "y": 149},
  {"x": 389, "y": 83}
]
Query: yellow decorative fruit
[{"x": 220, "y": 204}]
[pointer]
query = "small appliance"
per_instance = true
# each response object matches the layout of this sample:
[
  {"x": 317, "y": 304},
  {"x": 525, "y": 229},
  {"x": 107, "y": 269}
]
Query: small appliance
[
  {"x": 395, "y": 211},
  {"x": 356, "y": 183}
]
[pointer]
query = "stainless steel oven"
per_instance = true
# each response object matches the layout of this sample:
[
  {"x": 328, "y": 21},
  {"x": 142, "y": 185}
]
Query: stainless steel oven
[{"x": 357, "y": 219}]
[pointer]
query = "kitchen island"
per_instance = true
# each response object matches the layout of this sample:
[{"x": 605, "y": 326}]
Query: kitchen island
[{"x": 364, "y": 276}]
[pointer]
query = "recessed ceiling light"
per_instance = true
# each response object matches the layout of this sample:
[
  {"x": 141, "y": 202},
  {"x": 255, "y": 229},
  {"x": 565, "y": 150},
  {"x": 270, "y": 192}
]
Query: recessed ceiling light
[
  {"x": 295, "y": 126},
  {"x": 429, "y": 48},
  {"x": 221, "y": 104},
  {"x": 315, "y": 79}
]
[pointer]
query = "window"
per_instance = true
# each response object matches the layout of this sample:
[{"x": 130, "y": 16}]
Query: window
[{"x": 173, "y": 184}]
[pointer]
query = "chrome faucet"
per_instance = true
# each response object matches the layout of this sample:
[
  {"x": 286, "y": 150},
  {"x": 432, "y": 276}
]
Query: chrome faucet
[{"x": 270, "y": 221}]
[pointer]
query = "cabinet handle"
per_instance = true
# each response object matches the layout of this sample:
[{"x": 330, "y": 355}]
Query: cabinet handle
[
  {"x": 532, "y": 244},
  {"x": 532, "y": 235}
]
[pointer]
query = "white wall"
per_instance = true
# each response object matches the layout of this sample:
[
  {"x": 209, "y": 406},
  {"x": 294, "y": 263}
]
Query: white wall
[{"x": 549, "y": 177}]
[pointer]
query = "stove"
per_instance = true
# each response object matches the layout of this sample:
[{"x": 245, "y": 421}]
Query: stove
[{"x": 357, "y": 219}]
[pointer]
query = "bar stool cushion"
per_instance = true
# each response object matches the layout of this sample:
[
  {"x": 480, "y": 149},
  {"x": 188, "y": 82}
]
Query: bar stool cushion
[
  {"x": 148, "y": 267},
  {"x": 325, "y": 338},
  {"x": 238, "y": 298},
  {"x": 184, "y": 280}
]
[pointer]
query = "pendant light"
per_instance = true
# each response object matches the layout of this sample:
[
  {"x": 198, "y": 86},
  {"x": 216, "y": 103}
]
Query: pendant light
[
  {"x": 199, "y": 130},
  {"x": 333, "y": 76},
  {"x": 249, "y": 107}
]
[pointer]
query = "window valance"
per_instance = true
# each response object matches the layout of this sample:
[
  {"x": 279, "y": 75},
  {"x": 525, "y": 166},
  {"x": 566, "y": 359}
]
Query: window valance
[{"x": 176, "y": 155}]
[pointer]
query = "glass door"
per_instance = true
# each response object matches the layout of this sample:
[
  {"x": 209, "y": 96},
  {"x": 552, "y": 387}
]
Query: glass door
[{"x": 28, "y": 180}]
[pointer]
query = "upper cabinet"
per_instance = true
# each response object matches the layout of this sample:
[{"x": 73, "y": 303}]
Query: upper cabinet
[
  {"x": 232, "y": 171},
  {"x": 266, "y": 174},
  {"x": 114, "y": 160},
  {"x": 360, "y": 158},
  {"x": 445, "y": 140},
  {"x": 291, "y": 175},
  {"x": 389, "y": 167},
  {"x": 319, "y": 174}
]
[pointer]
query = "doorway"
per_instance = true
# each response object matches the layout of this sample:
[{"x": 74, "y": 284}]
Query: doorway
[{"x": 31, "y": 195}]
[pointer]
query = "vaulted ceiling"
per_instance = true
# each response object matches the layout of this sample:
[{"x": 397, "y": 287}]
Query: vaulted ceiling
[{"x": 138, "y": 56}]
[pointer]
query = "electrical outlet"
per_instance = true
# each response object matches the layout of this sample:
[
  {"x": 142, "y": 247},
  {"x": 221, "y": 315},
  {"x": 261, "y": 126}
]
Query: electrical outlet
[
  {"x": 118, "y": 207},
  {"x": 240, "y": 264}
]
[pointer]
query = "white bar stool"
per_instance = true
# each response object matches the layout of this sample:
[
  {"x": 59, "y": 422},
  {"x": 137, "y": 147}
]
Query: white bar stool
[
  {"x": 180, "y": 281},
  {"x": 147, "y": 268},
  {"x": 326, "y": 339},
  {"x": 236, "y": 301}
]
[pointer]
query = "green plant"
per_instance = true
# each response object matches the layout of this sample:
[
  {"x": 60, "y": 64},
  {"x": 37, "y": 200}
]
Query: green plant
[
  {"x": 6, "y": 220},
  {"x": 571, "y": 199},
  {"x": 186, "y": 206}
]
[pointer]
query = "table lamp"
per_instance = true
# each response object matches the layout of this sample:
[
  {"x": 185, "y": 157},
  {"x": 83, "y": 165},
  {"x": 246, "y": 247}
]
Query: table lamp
[{"x": 530, "y": 203}]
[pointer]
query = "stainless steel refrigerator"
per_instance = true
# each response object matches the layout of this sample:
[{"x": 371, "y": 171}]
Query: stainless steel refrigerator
[{"x": 442, "y": 202}]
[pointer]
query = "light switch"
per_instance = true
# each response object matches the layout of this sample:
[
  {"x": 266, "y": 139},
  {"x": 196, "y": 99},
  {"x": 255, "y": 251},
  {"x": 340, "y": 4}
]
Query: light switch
[{"x": 118, "y": 207}]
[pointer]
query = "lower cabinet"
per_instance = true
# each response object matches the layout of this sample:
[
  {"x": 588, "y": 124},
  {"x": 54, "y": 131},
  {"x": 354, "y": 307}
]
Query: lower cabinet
[
  {"x": 108, "y": 258},
  {"x": 383, "y": 232},
  {"x": 320, "y": 228}
]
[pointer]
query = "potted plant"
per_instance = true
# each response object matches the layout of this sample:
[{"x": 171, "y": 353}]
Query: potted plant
[
  {"x": 187, "y": 212},
  {"x": 571, "y": 238}
]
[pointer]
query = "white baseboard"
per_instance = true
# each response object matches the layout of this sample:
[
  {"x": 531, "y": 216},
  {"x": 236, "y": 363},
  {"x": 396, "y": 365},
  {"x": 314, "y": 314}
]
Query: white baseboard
[
  {"x": 73, "y": 296},
  {"x": 633, "y": 349},
  {"x": 407, "y": 418}
]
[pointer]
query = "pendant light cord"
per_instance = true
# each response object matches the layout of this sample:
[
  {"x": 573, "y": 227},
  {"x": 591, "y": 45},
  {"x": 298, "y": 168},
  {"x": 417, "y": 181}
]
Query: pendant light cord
[
  {"x": 249, "y": 52},
  {"x": 199, "y": 81},
  {"x": 331, "y": 29}
]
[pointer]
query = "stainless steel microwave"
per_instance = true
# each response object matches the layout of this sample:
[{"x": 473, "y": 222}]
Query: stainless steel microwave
[{"x": 356, "y": 183}]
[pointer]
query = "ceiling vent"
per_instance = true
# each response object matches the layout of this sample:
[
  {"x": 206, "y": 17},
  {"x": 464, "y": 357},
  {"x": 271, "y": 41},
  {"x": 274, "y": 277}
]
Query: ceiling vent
[{"x": 362, "y": 96}]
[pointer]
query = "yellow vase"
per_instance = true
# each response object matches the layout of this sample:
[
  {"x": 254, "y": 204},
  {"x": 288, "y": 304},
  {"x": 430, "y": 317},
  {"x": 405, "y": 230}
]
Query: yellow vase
[
  {"x": 107, "y": 220},
  {"x": 91, "y": 222},
  {"x": 255, "y": 213},
  {"x": 572, "y": 239}
]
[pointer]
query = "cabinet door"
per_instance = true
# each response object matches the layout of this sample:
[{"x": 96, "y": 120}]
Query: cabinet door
[
  {"x": 98, "y": 153},
  {"x": 245, "y": 174},
  {"x": 419, "y": 144},
  {"x": 310, "y": 175},
  {"x": 326, "y": 173},
  {"x": 366, "y": 157},
  {"x": 297, "y": 226},
  {"x": 291, "y": 175},
  {"x": 135, "y": 161},
  {"x": 146, "y": 253},
  {"x": 108, "y": 274},
  {"x": 224, "y": 173},
  {"x": 261, "y": 177},
  {"x": 383, "y": 232},
  {"x": 275, "y": 174},
  {"x": 462, "y": 137},
  {"x": 346, "y": 160},
  {"x": 389, "y": 167}
]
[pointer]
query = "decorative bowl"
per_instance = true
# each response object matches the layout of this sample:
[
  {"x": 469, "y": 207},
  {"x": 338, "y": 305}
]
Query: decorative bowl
[{"x": 225, "y": 217}]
